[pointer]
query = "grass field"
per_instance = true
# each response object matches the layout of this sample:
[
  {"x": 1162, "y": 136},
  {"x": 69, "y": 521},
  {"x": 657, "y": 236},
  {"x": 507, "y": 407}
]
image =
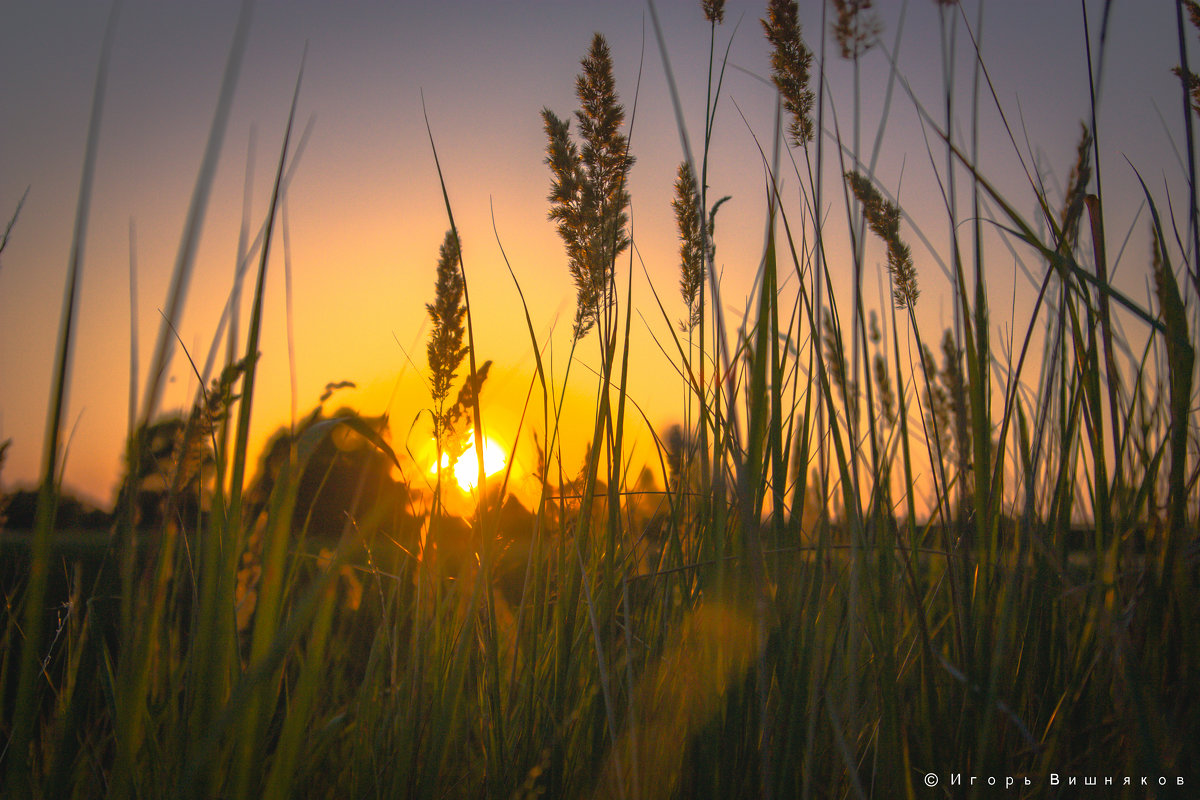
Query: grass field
[{"x": 867, "y": 574}]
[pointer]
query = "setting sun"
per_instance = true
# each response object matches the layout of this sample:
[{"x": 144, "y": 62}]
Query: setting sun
[{"x": 466, "y": 467}]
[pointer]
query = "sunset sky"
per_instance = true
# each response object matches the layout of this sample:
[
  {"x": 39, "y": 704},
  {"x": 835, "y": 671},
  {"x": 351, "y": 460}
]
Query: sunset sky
[{"x": 365, "y": 213}]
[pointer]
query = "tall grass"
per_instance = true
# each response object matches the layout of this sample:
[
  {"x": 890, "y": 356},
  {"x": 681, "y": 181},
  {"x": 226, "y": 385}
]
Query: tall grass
[{"x": 861, "y": 571}]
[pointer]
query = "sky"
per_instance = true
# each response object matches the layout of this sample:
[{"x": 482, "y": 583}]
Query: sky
[{"x": 364, "y": 213}]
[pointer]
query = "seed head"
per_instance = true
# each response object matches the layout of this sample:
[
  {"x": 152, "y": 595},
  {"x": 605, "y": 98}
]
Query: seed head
[
  {"x": 445, "y": 350},
  {"x": 887, "y": 398},
  {"x": 691, "y": 249},
  {"x": 1081, "y": 174},
  {"x": 835, "y": 359},
  {"x": 856, "y": 27},
  {"x": 884, "y": 220},
  {"x": 790, "y": 63},
  {"x": 587, "y": 191}
]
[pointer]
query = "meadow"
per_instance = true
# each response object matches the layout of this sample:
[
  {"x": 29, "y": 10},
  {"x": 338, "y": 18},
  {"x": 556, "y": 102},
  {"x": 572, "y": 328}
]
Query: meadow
[{"x": 876, "y": 559}]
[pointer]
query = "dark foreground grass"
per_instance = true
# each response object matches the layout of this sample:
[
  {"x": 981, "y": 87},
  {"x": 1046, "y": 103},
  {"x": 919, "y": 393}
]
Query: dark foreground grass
[{"x": 795, "y": 614}]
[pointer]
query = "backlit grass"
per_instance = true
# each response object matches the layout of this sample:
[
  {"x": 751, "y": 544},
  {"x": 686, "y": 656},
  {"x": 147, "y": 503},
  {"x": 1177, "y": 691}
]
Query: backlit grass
[{"x": 873, "y": 551}]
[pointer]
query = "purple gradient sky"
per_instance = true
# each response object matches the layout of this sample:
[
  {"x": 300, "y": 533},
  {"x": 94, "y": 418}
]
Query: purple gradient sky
[{"x": 365, "y": 215}]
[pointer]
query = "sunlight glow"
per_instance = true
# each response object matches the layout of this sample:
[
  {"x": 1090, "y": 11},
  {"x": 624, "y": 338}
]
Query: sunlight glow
[{"x": 466, "y": 468}]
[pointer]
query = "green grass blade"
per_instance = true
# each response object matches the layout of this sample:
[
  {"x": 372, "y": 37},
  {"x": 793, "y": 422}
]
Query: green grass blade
[
  {"x": 19, "y": 770},
  {"x": 194, "y": 222}
]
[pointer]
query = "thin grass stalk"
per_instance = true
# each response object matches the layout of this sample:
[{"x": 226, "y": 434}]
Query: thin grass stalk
[
  {"x": 243, "y": 250},
  {"x": 242, "y": 430},
  {"x": 194, "y": 222},
  {"x": 609, "y": 596},
  {"x": 284, "y": 771},
  {"x": 1096, "y": 217},
  {"x": 856, "y": 32},
  {"x": 853, "y": 520},
  {"x": 71, "y": 718},
  {"x": 234, "y": 305},
  {"x": 230, "y": 313},
  {"x": 192, "y": 781},
  {"x": 854, "y": 213},
  {"x": 124, "y": 527},
  {"x": 530, "y": 589},
  {"x": 947, "y": 40},
  {"x": 971, "y": 337},
  {"x": 777, "y": 440},
  {"x": 491, "y": 655},
  {"x": 583, "y": 531},
  {"x": 131, "y": 427},
  {"x": 723, "y": 367},
  {"x": 710, "y": 102},
  {"x": 964, "y": 338},
  {"x": 250, "y": 748},
  {"x": 12, "y": 221},
  {"x": 615, "y": 481},
  {"x": 1180, "y": 364},
  {"x": 979, "y": 356},
  {"x": 824, "y": 387},
  {"x": 214, "y": 640},
  {"x": 20, "y": 776},
  {"x": 927, "y": 688},
  {"x": 711, "y": 99},
  {"x": 602, "y": 669},
  {"x": 751, "y": 476},
  {"x": 143, "y": 646},
  {"x": 820, "y": 286},
  {"x": 1112, "y": 382},
  {"x": 606, "y": 343},
  {"x": 1060, "y": 264},
  {"x": 956, "y": 568},
  {"x": 1189, "y": 139}
]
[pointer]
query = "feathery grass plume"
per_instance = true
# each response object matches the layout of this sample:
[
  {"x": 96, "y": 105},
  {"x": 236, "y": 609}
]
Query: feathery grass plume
[
  {"x": 1193, "y": 9},
  {"x": 445, "y": 350},
  {"x": 883, "y": 379},
  {"x": 1077, "y": 182},
  {"x": 1193, "y": 86},
  {"x": 835, "y": 359},
  {"x": 1191, "y": 79},
  {"x": 714, "y": 11},
  {"x": 171, "y": 459},
  {"x": 884, "y": 219},
  {"x": 691, "y": 249},
  {"x": 887, "y": 397},
  {"x": 193, "y": 454},
  {"x": 937, "y": 404},
  {"x": 1156, "y": 264},
  {"x": 588, "y": 194},
  {"x": 207, "y": 415},
  {"x": 456, "y": 436},
  {"x": 954, "y": 391},
  {"x": 790, "y": 63},
  {"x": 856, "y": 27}
]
